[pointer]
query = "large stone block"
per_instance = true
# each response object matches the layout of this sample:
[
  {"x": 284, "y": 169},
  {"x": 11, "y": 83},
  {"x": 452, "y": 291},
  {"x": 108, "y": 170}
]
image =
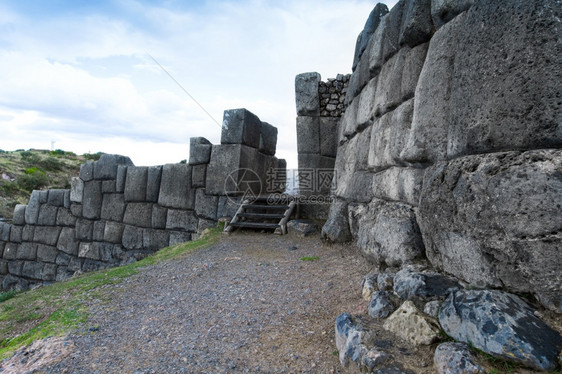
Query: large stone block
[
  {"x": 348, "y": 124},
  {"x": 315, "y": 174},
  {"x": 5, "y": 229},
  {"x": 153, "y": 183},
  {"x": 155, "y": 239},
  {"x": 181, "y": 220},
  {"x": 199, "y": 151},
  {"x": 49, "y": 272},
  {"x": 87, "y": 171},
  {"x": 56, "y": 197},
  {"x": 232, "y": 167},
  {"x": 175, "y": 187},
  {"x": 268, "y": 139},
  {"x": 442, "y": 11},
  {"x": 417, "y": 25},
  {"x": 413, "y": 65},
  {"x": 15, "y": 267},
  {"x": 371, "y": 25},
  {"x": 399, "y": 133},
  {"x": 399, "y": 184},
  {"x": 19, "y": 214},
  {"x": 33, "y": 270},
  {"x": 351, "y": 181},
  {"x": 106, "y": 166},
  {"x": 359, "y": 79},
  {"x": 65, "y": 217},
  {"x": 92, "y": 200},
  {"x": 379, "y": 149},
  {"x": 308, "y": 134},
  {"x": 113, "y": 207},
  {"x": 108, "y": 186},
  {"x": 240, "y": 126},
  {"x": 306, "y": 94},
  {"x": 113, "y": 232},
  {"x": 388, "y": 94},
  {"x": 178, "y": 237},
  {"x": 336, "y": 229},
  {"x": 89, "y": 250},
  {"x": 16, "y": 233},
  {"x": 227, "y": 207},
  {"x": 10, "y": 251},
  {"x": 27, "y": 251},
  {"x": 494, "y": 220},
  {"x": 136, "y": 182},
  {"x": 32, "y": 210},
  {"x": 132, "y": 237},
  {"x": 206, "y": 205},
  {"x": 388, "y": 234},
  {"x": 328, "y": 136},
  {"x": 47, "y": 215},
  {"x": 28, "y": 232},
  {"x": 366, "y": 105},
  {"x": 138, "y": 214},
  {"x": 46, "y": 253},
  {"x": 159, "y": 215},
  {"x": 46, "y": 235},
  {"x": 518, "y": 103},
  {"x": 99, "y": 228},
  {"x": 67, "y": 241},
  {"x": 84, "y": 229},
  {"x": 121, "y": 178},
  {"x": 198, "y": 175}
]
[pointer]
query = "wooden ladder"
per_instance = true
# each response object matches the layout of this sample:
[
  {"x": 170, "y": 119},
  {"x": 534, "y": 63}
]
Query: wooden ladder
[{"x": 261, "y": 214}]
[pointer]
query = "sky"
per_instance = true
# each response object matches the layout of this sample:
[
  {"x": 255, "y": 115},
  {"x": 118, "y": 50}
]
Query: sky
[{"x": 85, "y": 76}]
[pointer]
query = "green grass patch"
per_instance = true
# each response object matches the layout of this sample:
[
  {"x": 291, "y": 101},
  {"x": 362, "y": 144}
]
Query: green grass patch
[
  {"x": 59, "y": 308},
  {"x": 310, "y": 258},
  {"x": 7, "y": 295}
]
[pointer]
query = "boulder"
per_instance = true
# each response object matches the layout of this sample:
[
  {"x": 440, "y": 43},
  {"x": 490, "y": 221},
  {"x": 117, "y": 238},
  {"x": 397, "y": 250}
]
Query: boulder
[
  {"x": 501, "y": 324},
  {"x": 136, "y": 182},
  {"x": 351, "y": 180},
  {"x": 199, "y": 151},
  {"x": 494, "y": 220},
  {"x": 32, "y": 269},
  {"x": 456, "y": 358},
  {"x": 301, "y": 227},
  {"x": 113, "y": 207},
  {"x": 368, "y": 286},
  {"x": 240, "y": 126},
  {"x": 348, "y": 339},
  {"x": 431, "y": 308},
  {"x": 5, "y": 229},
  {"x": 410, "y": 324},
  {"x": 336, "y": 228},
  {"x": 46, "y": 253},
  {"x": 381, "y": 305},
  {"x": 409, "y": 284},
  {"x": 175, "y": 187},
  {"x": 106, "y": 166},
  {"x": 306, "y": 94},
  {"x": 385, "y": 281},
  {"x": 10, "y": 251},
  {"x": 99, "y": 228}
]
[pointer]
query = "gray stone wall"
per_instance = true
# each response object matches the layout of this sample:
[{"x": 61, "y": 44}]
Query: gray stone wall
[
  {"x": 449, "y": 148},
  {"x": 116, "y": 212}
]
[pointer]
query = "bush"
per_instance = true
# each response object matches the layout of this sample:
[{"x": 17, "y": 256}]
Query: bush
[
  {"x": 57, "y": 153},
  {"x": 51, "y": 164},
  {"x": 7, "y": 188},
  {"x": 33, "y": 179},
  {"x": 93, "y": 156},
  {"x": 30, "y": 157}
]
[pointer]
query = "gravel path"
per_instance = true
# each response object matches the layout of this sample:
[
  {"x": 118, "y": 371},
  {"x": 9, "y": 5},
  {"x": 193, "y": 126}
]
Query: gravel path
[{"x": 248, "y": 304}]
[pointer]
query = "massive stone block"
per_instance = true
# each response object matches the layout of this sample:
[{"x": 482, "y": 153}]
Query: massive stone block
[
  {"x": 328, "y": 136},
  {"x": 67, "y": 242},
  {"x": 16, "y": 233},
  {"x": 181, "y": 220},
  {"x": 87, "y": 171},
  {"x": 106, "y": 166},
  {"x": 99, "y": 228},
  {"x": 155, "y": 239},
  {"x": 138, "y": 214},
  {"x": 379, "y": 157},
  {"x": 5, "y": 229},
  {"x": 56, "y": 197},
  {"x": 32, "y": 210},
  {"x": 413, "y": 65},
  {"x": 351, "y": 181},
  {"x": 19, "y": 214},
  {"x": 175, "y": 187},
  {"x": 199, "y": 151},
  {"x": 108, "y": 186},
  {"x": 268, "y": 139},
  {"x": 306, "y": 94},
  {"x": 136, "y": 182},
  {"x": 159, "y": 215},
  {"x": 46, "y": 253},
  {"x": 89, "y": 250},
  {"x": 206, "y": 205},
  {"x": 153, "y": 183},
  {"x": 388, "y": 234},
  {"x": 198, "y": 175},
  {"x": 442, "y": 11},
  {"x": 113, "y": 232},
  {"x": 121, "y": 178},
  {"x": 417, "y": 25},
  {"x": 65, "y": 217},
  {"x": 336, "y": 229},
  {"x": 494, "y": 220},
  {"x": 113, "y": 207},
  {"x": 348, "y": 124},
  {"x": 92, "y": 200},
  {"x": 46, "y": 235},
  {"x": 240, "y": 126},
  {"x": 366, "y": 105},
  {"x": 27, "y": 251},
  {"x": 388, "y": 95},
  {"x": 308, "y": 134},
  {"x": 84, "y": 229},
  {"x": 399, "y": 184},
  {"x": 132, "y": 237},
  {"x": 379, "y": 11},
  {"x": 47, "y": 215}
]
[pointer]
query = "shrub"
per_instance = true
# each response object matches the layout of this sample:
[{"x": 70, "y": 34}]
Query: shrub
[
  {"x": 183, "y": 162},
  {"x": 51, "y": 164},
  {"x": 57, "y": 153},
  {"x": 92, "y": 156},
  {"x": 33, "y": 179}
]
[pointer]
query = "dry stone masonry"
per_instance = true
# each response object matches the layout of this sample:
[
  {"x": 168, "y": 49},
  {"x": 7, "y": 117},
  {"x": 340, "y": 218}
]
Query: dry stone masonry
[
  {"x": 449, "y": 158},
  {"x": 116, "y": 212}
]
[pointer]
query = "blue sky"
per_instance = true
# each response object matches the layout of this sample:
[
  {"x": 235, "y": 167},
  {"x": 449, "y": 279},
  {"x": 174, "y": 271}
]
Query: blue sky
[{"x": 77, "y": 74}]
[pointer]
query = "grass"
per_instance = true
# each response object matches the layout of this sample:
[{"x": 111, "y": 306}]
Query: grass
[
  {"x": 61, "y": 307},
  {"x": 310, "y": 258}
]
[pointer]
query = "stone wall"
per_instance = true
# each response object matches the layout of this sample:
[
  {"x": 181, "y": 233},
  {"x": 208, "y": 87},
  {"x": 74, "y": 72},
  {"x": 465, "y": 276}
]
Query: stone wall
[
  {"x": 319, "y": 108},
  {"x": 116, "y": 212},
  {"x": 450, "y": 147}
]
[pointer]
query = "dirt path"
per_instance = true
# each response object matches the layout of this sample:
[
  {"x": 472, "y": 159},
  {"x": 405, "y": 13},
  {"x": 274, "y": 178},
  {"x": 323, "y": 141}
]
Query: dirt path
[{"x": 248, "y": 304}]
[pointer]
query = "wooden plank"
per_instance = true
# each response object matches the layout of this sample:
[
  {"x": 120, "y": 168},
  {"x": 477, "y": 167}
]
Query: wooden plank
[
  {"x": 262, "y": 215},
  {"x": 255, "y": 225}
]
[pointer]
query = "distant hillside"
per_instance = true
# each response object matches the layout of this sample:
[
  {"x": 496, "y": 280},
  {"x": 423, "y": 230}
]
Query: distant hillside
[{"x": 24, "y": 171}]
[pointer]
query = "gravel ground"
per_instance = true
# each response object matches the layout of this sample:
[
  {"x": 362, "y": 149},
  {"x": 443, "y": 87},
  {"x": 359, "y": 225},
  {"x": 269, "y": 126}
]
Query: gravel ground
[{"x": 248, "y": 304}]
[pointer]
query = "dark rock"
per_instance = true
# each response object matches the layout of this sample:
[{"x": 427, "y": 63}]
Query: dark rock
[
  {"x": 108, "y": 186},
  {"x": 46, "y": 235},
  {"x": 159, "y": 215},
  {"x": 175, "y": 191},
  {"x": 106, "y": 166},
  {"x": 92, "y": 200},
  {"x": 198, "y": 175},
  {"x": 268, "y": 139},
  {"x": 28, "y": 233},
  {"x": 56, "y": 197},
  {"x": 67, "y": 242},
  {"x": 89, "y": 250},
  {"x": 443, "y": 11},
  {"x": 431, "y": 308},
  {"x": 121, "y": 178},
  {"x": 33, "y": 270},
  {"x": 181, "y": 220},
  {"x": 302, "y": 228},
  {"x": 417, "y": 25},
  {"x": 49, "y": 272},
  {"x": 138, "y": 214},
  {"x": 132, "y": 237},
  {"x": 65, "y": 218},
  {"x": 206, "y": 205},
  {"x": 155, "y": 239},
  {"x": 501, "y": 324},
  {"x": 455, "y": 358},
  {"x": 15, "y": 267},
  {"x": 348, "y": 339},
  {"x": 379, "y": 11},
  {"x": 199, "y": 151},
  {"x": 336, "y": 229},
  {"x": 381, "y": 305},
  {"x": 84, "y": 229},
  {"x": 47, "y": 215},
  {"x": 113, "y": 232},
  {"x": 153, "y": 183},
  {"x": 328, "y": 136},
  {"x": 113, "y": 207},
  {"x": 306, "y": 94},
  {"x": 385, "y": 281},
  {"x": 10, "y": 251},
  {"x": 46, "y": 253},
  {"x": 27, "y": 251},
  {"x": 87, "y": 171},
  {"x": 32, "y": 210},
  {"x": 99, "y": 228},
  {"x": 136, "y": 182},
  {"x": 240, "y": 126},
  {"x": 19, "y": 214},
  {"x": 177, "y": 237},
  {"x": 308, "y": 134},
  {"x": 16, "y": 233},
  {"x": 409, "y": 284}
]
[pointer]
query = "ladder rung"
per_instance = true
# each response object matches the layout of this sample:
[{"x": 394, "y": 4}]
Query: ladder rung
[
  {"x": 267, "y": 207},
  {"x": 255, "y": 225},
  {"x": 261, "y": 215}
]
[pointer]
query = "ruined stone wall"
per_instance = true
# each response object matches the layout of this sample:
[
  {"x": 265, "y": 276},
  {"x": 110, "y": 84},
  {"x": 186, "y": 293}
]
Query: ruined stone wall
[
  {"x": 450, "y": 146},
  {"x": 116, "y": 212},
  {"x": 319, "y": 108}
]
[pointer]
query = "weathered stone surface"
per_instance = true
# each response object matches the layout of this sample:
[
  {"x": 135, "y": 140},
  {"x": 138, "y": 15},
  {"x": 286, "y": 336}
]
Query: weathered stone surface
[
  {"x": 65, "y": 218},
  {"x": 228, "y": 168},
  {"x": 315, "y": 174},
  {"x": 417, "y": 25},
  {"x": 132, "y": 237},
  {"x": 113, "y": 232},
  {"x": 136, "y": 182},
  {"x": 336, "y": 229},
  {"x": 388, "y": 93},
  {"x": 27, "y": 251},
  {"x": 49, "y": 272},
  {"x": 181, "y": 220},
  {"x": 410, "y": 324},
  {"x": 388, "y": 234},
  {"x": 62, "y": 259},
  {"x": 431, "y": 308},
  {"x": 121, "y": 178},
  {"x": 366, "y": 106},
  {"x": 206, "y": 205},
  {"x": 28, "y": 233},
  {"x": 442, "y": 11},
  {"x": 15, "y": 267},
  {"x": 379, "y": 157},
  {"x": 385, "y": 281},
  {"x": 348, "y": 339},
  {"x": 89, "y": 250},
  {"x": 413, "y": 65},
  {"x": 175, "y": 187},
  {"x": 87, "y": 171},
  {"x": 374, "y": 357},
  {"x": 198, "y": 175},
  {"x": 32, "y": 210},
  {"x": 359, "y": 79},
  {"x": 302, "y": 228},
  {"x": 379, "y": 11},
  {"x": 368, "y": 286},
  {"x": 16, "y": 233},
  {"x": 348, "y": 124},
  {"x": 46, "y": 235},
  {"x": 227, "y": 207},
  {"x": 56, "y": 197},
  {"x": 178, "y": 237},
  {"x": 99, "y": 228},
  {"x": 240, "y": 126},
  {"x": 399, "y": 184},
  {"x": 400, "y": 131},
  {"x": 92, "y": 200},
  {"x": 19, "y": 214},
  {"x": 306, "y": 94},
  {"x": 308, "y": 134},
  {"x": 351, "y": 181},
  {"x": 113, "y": 207},
  {"x": 106, "y": 166},
  {"x": 328, "y": 136},
  {"x": 153, "y": 183},
  {"x": 84, "y": 229},
  {"x": 47, "y": 215},
  {"x": 268, "y": 139},
  {"x": 3, "y": 267},
  {"x": 33, "y": 270},
  {"x": 10, "y": 251},
  {"x": 75, "y": 264},
  {"x": 199, "y": 151},
  {"x": 494, "y": 220},
  {"x": 46, "y": 253},
  {"x": 67, "y": 242},
  {"x": 501, "y": 324},
  {"x": 108, "y": 186},
  {"x": 76, "y": 210},
  {"x": 138, "y": 214},
  {"x": 159, "y": 215},
  {"x": 155, "y": 239},
  {"x": 381, "y": 305},
  {"x": 203, "y": 225},
  {"x": 409, "y": 284},
  {"x": 456, "y": 358}
]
